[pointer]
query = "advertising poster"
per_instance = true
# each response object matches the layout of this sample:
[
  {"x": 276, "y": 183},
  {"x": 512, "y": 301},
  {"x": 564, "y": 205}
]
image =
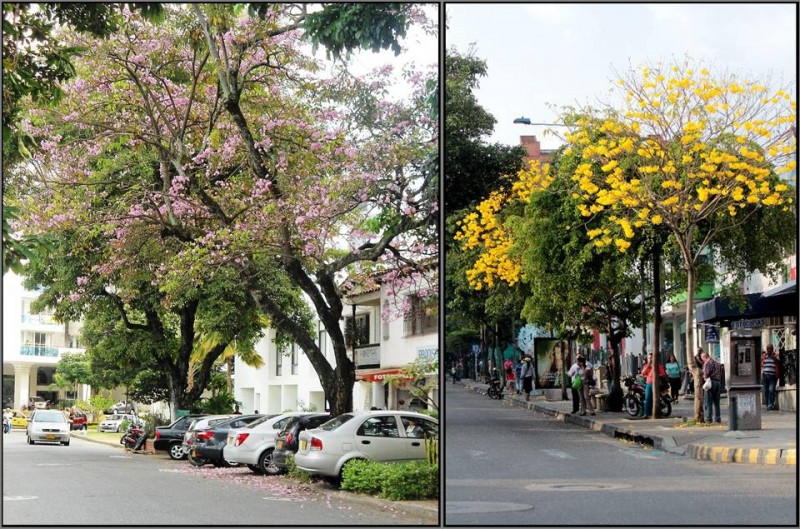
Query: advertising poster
[{"x": 548, "y": 362}]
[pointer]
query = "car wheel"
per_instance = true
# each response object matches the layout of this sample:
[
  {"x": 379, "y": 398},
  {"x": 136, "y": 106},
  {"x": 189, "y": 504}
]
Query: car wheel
[
  {"x": 65, "y": 443},
  {"x": 338, "y": 479},
  {"x": 197, "y": 461},
  {"x": 85, "y": 427},
  {"x": 176, "y": 451},
  {"x": 255, "y": 468},
  {"x": 30, "y": 441},
  {"x": 267, "y": 466}
]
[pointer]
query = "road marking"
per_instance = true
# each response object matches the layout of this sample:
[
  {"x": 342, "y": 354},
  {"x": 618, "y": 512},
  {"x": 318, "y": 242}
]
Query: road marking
[
  {"x": 54, "y": 464},
  {"x": 169, "y": 470},
  {"x": 19, "y": 498},
  {"x": 478, "y": 454},
  {"x": 637, "y": 454},
  {"x": 476, "y": 507},
  {"x": 121, "y": 457},
  {"x": 582, "y": 487},
  {"x": 275, "y": 498},
  {"x": 557, "y": 453}
]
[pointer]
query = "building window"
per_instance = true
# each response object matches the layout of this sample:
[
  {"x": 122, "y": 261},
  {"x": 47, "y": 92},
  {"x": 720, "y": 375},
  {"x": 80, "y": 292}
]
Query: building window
[
  {"x": 74, "y": 342},
  {"x": 294, "y": 359},
  {"x": 361, "y": 332},
  {"x": 384, "y": 321},
  {"x": 421, "y": 318},
  {"x": 36, "y": 339},
  {"x": 323, "y": 342},
  {"x": 278, "y": 363}
]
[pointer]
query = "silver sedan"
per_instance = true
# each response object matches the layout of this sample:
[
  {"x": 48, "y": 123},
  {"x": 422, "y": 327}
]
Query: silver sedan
[
  {"x": 372, "y": 435},
  {"x": 48, "y": 425}
]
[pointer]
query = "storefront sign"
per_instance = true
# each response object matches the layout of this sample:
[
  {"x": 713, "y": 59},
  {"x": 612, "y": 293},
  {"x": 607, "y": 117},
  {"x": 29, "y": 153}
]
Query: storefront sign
[
  {"x": 747, "y": 324},
  {"x": 548, "y": 363},
  {"x": 429, "y": 352},
  {"x": 380, "y": 376},
  {"x": 368, "y": 356}
]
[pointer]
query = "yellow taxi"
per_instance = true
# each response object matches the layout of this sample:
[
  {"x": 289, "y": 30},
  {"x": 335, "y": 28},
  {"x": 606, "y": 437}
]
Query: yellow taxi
[{"x": 19, "y": 420}]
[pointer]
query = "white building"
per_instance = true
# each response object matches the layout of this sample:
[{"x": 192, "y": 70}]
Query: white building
[
  {"x": 383, "y": 348},
  {"x": 33, "y": 343}
]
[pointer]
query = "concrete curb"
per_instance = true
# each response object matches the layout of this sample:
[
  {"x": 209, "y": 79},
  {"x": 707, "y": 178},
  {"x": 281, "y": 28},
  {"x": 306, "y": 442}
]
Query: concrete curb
[{"x": 701, "y": 452}]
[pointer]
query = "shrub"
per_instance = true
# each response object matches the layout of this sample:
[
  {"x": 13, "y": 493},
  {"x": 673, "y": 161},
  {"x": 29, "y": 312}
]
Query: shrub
[
  {"x": 410, "y": 481},
  {"x": 123, "y": 426},
  {"x": 363, "y": 476},
  {"x": 293, "y": 472},
  {"x": 414, "y": 480}
]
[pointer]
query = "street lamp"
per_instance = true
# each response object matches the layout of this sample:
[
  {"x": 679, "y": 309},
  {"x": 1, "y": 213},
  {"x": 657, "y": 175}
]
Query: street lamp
[{"x": 527, "y": 121}]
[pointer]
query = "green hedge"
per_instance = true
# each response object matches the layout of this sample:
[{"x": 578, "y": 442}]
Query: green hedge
[{"x": 413, "y": 480}]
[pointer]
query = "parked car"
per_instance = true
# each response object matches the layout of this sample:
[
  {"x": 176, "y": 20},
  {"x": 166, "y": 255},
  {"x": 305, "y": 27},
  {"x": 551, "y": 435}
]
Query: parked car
[
  {"x": 253, "y": 446},
  {"x": 36, "y": 402},
  {"x": 373, "y": 435},
  {"x": 48, "y": 425},
  {"x": 123, "y": 407},
  {"x": 170, "y": 437},
  {"x": 200, "y": 423},
  {"x": 287, "y": 439},
  {"x": 114, "y": 422},
  {"x": 208, "y": 444},
  {"x": 79, "y": 421},
  {"x": 18, "y": 419}
]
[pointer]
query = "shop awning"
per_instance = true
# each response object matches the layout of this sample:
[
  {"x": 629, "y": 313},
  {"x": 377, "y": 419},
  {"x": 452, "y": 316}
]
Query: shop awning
[
  {"x": 780, "y": 290},
  {"x": 758, "y": 305}
]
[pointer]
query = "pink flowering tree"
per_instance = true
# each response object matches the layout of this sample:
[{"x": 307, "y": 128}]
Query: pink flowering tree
[{"x": 211, "y": 162}]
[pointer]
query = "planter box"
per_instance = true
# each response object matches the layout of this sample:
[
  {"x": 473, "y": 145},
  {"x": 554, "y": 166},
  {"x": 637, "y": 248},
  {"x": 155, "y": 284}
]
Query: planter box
[{"x": 787, "y": 399}]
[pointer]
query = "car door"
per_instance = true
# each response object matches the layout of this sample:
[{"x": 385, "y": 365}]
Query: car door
[
  {"x": 378, "y": 438},
  {"x": 415, "y": 430}
]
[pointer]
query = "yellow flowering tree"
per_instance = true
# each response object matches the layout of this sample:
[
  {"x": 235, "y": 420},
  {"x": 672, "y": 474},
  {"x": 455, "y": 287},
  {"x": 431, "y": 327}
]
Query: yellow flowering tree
[
  {"x": 694, "y": 153},
  {"x": 484, "y": 229}
]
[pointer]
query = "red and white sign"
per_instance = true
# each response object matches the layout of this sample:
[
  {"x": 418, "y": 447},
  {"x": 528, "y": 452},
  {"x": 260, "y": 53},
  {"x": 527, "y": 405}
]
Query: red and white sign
[{"x": 380, "y": 376}]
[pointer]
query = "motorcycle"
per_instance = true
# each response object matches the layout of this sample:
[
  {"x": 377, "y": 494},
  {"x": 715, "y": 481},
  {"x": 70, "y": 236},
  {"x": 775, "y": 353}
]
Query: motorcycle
[
  {"x": 134, "y": 437},
  {"x": 633, "y": 401},
  {"x": 495, "y": 390}
]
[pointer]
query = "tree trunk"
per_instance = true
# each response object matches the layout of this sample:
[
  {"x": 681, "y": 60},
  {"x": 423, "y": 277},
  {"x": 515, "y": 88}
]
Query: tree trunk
[
  {"x": 615, "y": 394},
  {"x": 563, "y": 373},
  {"x": 698, "y": 383},
  {"x": 656, "y": 328}
]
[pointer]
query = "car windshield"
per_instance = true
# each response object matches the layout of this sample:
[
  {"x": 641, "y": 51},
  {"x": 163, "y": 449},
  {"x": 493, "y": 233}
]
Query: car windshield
[
  {"x": 215, "y": 422},
  {"x": 49, "y": 416},
  {"x": 115, "y": 418},
  {"x": 336, "y": 422}
]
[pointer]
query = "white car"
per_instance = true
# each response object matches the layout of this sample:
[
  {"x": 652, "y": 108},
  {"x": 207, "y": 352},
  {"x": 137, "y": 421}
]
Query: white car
[
  {"x": 114, "y": 422},
  {"x": 253, "y": 446},
  {"x": 385, "y": 435},
  {"x": 48, "y": 425}
]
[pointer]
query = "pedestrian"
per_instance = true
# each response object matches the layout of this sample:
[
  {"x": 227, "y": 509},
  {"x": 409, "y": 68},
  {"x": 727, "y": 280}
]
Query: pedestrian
[
  {"x": 508, "y": 365},
  {"x": 770, "y": 371},
  {"x": 674, "y": 376},
  {"x": 576, "y": 374},
  {"x": 236, "y": 410},
  {"x": 589, "y": 387},
  {"x": 7, "y": 415},
  {"x": 453, "y": 372},
  {"x": 518, "y": 374},
  {"x": 648, "y": 373},
  {"x": 255, "y": 412},
  {"x": 527, "y": 377},
  {"x": 712, "y": 371}
]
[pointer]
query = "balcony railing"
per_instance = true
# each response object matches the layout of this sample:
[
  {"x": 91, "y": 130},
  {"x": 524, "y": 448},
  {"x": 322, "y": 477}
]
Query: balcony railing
[
  {"x": 40, "y": 319},
  {"x": 38, "y": 350}
]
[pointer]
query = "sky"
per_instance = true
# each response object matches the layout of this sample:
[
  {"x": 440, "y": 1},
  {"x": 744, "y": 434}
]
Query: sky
[{"x": 540, "y": 55}]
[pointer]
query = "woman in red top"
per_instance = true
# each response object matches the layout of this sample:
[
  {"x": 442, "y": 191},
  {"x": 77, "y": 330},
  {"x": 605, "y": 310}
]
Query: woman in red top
[{"x": 647, "y": 372}]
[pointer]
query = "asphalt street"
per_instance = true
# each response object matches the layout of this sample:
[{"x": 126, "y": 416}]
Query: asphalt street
[
  {"x": 94, "y": 484},
  {"x": 509, "y": 466}
]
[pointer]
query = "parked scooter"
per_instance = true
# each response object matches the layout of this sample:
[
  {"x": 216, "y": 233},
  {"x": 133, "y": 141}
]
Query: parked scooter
[
  {"x": 134, "y": 438},
  {"x": 495, "y": 390},
  {"x": 633, "y": 401}
]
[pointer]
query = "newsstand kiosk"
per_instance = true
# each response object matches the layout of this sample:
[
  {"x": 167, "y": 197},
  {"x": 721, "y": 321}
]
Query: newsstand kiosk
[{"x": 744, "y": 382}]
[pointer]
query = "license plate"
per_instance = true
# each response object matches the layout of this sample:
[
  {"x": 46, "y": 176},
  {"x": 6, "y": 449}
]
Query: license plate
[
  {"x": 302, "y": 444},
  {"x": 50, "y": 436},
  {"x": 279, "y": 445}
]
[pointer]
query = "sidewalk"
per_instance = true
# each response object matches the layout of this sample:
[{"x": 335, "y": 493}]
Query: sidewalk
[{"x": 774, "y": 444}]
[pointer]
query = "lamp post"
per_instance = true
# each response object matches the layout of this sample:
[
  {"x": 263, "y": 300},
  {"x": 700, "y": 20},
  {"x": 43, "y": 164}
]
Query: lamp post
[{"x": 527, "y": 121}]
